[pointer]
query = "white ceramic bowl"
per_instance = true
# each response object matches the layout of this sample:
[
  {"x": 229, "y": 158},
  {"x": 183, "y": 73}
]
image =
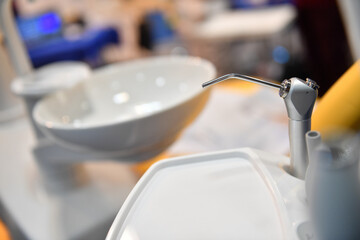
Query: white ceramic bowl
[{"x": 134, "y": 109}]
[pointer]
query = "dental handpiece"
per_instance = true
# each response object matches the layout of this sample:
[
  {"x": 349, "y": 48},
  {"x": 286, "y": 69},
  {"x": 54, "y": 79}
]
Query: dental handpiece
[{"x": 299, "y": 97}]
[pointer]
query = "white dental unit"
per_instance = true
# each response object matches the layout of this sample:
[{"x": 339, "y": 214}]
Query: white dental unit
[{"x": 131, "y": 112}]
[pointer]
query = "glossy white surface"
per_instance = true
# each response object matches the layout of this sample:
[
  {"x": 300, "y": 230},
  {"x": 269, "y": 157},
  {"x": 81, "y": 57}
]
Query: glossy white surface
[
  {"x": 235, "y": 194},
  {"x": 130, "y": 108}
]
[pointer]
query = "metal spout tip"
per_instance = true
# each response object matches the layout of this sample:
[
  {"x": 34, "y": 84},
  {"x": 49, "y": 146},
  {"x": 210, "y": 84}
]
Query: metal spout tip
[
  {"x": 241, "y": 77},
  {"x": 204, "y": 85},
  {"x": 219, "y": 79}
]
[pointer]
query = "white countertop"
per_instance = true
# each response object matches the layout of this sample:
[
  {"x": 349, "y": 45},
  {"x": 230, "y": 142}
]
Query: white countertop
[{"x": 254, "y": 23}]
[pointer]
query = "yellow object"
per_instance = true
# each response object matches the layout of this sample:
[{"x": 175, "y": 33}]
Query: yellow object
[
  {"x": 140, "y": 168},
  {"x": 4, "y": 234},
  {"x": 339, "y": 109},
  {"x": 237, "y": 86}
]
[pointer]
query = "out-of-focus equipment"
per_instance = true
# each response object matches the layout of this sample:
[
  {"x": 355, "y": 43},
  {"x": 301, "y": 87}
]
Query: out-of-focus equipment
[
  {"x": 349, "y": 12},
  {"x": 332, "y": 187},
  {"x": 46, "y": 40},
  {"x": 10, "y": 107},
  {"x": 16, "y": 50}
]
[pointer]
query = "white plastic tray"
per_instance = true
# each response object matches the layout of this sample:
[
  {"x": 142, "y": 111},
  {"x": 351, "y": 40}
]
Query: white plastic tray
[{"x": 224, "y": 195}]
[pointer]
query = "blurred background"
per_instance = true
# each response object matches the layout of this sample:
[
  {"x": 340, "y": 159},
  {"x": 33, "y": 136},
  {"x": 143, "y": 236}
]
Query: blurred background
[
  {"x": 273, "y": 39},
  {"x": 270, "y": 39}
]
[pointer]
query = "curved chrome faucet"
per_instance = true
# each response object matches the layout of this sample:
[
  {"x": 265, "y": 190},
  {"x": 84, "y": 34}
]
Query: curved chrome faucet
[
  {"x": 299, "y": 97},
  {"x": 241, "y": 77}
]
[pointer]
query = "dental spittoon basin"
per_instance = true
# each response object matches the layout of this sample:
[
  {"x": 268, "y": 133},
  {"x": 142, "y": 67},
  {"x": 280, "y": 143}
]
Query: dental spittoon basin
[{"x": 128, "y": 108}]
